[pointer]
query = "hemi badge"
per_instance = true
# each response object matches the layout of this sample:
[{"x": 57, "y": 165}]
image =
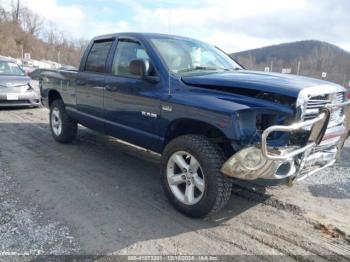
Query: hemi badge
[{"x": 167, "y": 108}]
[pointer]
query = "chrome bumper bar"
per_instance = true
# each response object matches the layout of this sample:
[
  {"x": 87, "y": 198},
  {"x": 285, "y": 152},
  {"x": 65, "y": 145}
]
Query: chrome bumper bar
[
  {"x": 318, "y": 130},
  {"x": 297, "y": 126},
  {"x": 293, "y": 162}
]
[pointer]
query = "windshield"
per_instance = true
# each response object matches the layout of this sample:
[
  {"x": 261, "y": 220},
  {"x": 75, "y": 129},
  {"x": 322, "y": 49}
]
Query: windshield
[
  {"x": 9, "y": 68},
  {"x": 182, "y": 55}
]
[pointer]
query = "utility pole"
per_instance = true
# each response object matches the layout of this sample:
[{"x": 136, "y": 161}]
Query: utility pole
[
  {"x": 299, "y": 64},
  {"x": 271, "y": 68},
  {"x": 344, "y": 80},
  {"x": 17, "y": 10}
]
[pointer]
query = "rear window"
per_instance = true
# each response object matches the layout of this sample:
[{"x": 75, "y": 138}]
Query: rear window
[{"x": 96, "y": 60}]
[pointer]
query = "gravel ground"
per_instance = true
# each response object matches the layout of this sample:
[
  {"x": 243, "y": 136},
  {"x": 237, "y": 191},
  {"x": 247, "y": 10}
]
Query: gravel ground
[
  {"x": 329, "y": 185},
  {"x": 98, "y": 196},
  {"x": 334, "y": 182},
  {"x": 24, "y": 226}
]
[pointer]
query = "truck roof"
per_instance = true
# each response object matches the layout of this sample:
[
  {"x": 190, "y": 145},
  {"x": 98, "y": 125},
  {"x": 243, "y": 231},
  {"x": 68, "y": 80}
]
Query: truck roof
[{"x": 140, "y": 35}]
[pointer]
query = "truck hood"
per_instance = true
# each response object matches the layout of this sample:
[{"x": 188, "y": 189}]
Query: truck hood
[
  {"x": 13, "y": 81},
  {"x": 288, "y": 85}
]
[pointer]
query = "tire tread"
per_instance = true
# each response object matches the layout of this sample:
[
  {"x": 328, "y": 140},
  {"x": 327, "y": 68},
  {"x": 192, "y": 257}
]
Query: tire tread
[
  {"x": 69, "y": 126},
  {"x": 214, "y": 156}
]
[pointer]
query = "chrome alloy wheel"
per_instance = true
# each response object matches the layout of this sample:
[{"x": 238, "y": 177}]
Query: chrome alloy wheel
[
  {"x": 185, "y": 178},
  {"x": 56, "y": 121}
]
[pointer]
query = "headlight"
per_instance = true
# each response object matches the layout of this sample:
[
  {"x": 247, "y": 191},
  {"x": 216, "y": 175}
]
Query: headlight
[
  {"x": 24, "y": 88},
  {"x": 251, "y": 158},
  {"x": 250, "y": 164},
  {"x": 34, "y": 84}
]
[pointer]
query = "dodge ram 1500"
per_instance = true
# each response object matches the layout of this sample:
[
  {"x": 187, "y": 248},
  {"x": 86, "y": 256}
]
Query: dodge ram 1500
[{"x": 209, "y": 118}]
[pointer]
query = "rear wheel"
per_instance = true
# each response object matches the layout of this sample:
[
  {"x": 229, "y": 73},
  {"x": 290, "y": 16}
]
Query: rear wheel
[
  {"x": 63, "y": 128},
  {"x": 191, "y": 176}
]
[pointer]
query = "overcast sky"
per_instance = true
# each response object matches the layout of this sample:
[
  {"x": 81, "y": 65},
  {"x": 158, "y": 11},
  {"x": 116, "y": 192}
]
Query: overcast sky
[{"x": 233, "y": 25}]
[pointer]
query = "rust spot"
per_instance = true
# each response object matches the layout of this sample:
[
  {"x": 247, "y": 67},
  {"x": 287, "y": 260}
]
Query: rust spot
[{"x": 332, "y": 232}]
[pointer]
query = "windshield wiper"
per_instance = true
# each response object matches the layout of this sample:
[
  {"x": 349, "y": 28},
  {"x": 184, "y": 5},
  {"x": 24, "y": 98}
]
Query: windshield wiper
[
  {"x": 233, "y": 69},
  {"x": 200, "y": 68}
]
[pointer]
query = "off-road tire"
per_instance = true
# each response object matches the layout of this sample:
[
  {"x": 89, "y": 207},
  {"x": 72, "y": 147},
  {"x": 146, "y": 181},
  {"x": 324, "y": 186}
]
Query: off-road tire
[
  {"x": 69, "y": 126},
  {"x": 217, "y": 186}
]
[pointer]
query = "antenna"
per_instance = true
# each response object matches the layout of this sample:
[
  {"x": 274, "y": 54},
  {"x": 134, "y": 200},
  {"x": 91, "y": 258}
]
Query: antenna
[
  {"x": 169, "y": 73},
  {"x": 169, "y": 21}
]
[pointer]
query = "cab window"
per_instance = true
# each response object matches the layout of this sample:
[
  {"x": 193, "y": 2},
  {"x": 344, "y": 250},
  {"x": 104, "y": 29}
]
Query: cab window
[
  {"x": 96, "y": 60},
  {"x": 126, "y": 52}
]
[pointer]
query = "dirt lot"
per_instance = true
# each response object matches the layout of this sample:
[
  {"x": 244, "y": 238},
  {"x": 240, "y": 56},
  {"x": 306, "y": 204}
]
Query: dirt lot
[{"x": 99, "y": 196}]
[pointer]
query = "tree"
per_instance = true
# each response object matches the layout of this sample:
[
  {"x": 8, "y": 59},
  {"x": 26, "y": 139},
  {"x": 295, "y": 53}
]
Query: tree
[
  {"x": 3, "y": 14},
  {"x": 23, "y": 30},
  {"x": 16, "y": 7},
  {"x": 31, "y": 23}
]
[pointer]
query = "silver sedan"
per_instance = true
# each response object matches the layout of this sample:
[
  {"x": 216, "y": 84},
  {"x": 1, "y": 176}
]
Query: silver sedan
[{"x": 17, "y": 89}]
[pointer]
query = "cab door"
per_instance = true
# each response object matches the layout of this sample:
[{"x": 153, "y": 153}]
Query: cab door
[
  {"x": 132, "y": 104},
  {"x": 90, "y": 85}
]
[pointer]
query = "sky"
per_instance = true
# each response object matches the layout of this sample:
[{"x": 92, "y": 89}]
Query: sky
[{"x": 233, "y": 25}]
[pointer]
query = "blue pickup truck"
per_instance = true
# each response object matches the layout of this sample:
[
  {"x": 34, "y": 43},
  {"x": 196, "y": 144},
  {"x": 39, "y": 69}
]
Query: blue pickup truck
[{"x": 209, "y": 118}]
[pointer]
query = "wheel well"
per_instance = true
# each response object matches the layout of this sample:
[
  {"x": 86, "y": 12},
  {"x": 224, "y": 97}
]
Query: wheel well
[
  {"x": 53, "y": 95},
  {"x": 189, "y": 126}
]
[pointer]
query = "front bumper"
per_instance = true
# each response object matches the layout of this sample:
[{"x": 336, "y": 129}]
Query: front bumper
[
  {"x": 29, "y": 98},
  {"x": 293, "y": 162}
]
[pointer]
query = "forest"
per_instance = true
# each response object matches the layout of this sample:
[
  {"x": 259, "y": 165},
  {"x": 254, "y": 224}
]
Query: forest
[{"x": 23, "y": 31}]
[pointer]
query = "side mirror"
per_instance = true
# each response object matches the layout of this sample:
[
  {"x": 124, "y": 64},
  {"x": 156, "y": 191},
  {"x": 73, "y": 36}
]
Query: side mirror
[
  {"x": 142, "y": 68},
  {"x": 139, "y": 67}
]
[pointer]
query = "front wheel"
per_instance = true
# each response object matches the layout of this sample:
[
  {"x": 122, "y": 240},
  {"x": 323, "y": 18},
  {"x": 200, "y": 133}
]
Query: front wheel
[
  {"x": 63, "y": 128},
  {"x": 191, "y": 176}
]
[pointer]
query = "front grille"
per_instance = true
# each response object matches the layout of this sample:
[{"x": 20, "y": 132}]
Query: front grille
[
  {"x": 15, "y": 89},
  {"x": 13, "y": 102},
  {"x": 316, "y": 103},
  {"x": 339, "y": 98}
]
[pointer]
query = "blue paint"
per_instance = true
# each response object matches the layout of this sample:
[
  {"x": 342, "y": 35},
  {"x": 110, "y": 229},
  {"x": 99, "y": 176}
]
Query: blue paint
[{"x": 114, "y": 104}]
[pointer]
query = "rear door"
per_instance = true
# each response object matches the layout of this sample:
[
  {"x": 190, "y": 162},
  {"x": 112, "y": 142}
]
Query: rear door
[
  {"x": 132, "y": 104},
  {"x": 90, "y": 84}
]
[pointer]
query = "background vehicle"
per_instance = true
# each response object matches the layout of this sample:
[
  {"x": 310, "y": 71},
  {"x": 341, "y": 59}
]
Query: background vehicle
[
  {"x": 209, "y": 118},
  {"x": 17, "y": 89}
]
